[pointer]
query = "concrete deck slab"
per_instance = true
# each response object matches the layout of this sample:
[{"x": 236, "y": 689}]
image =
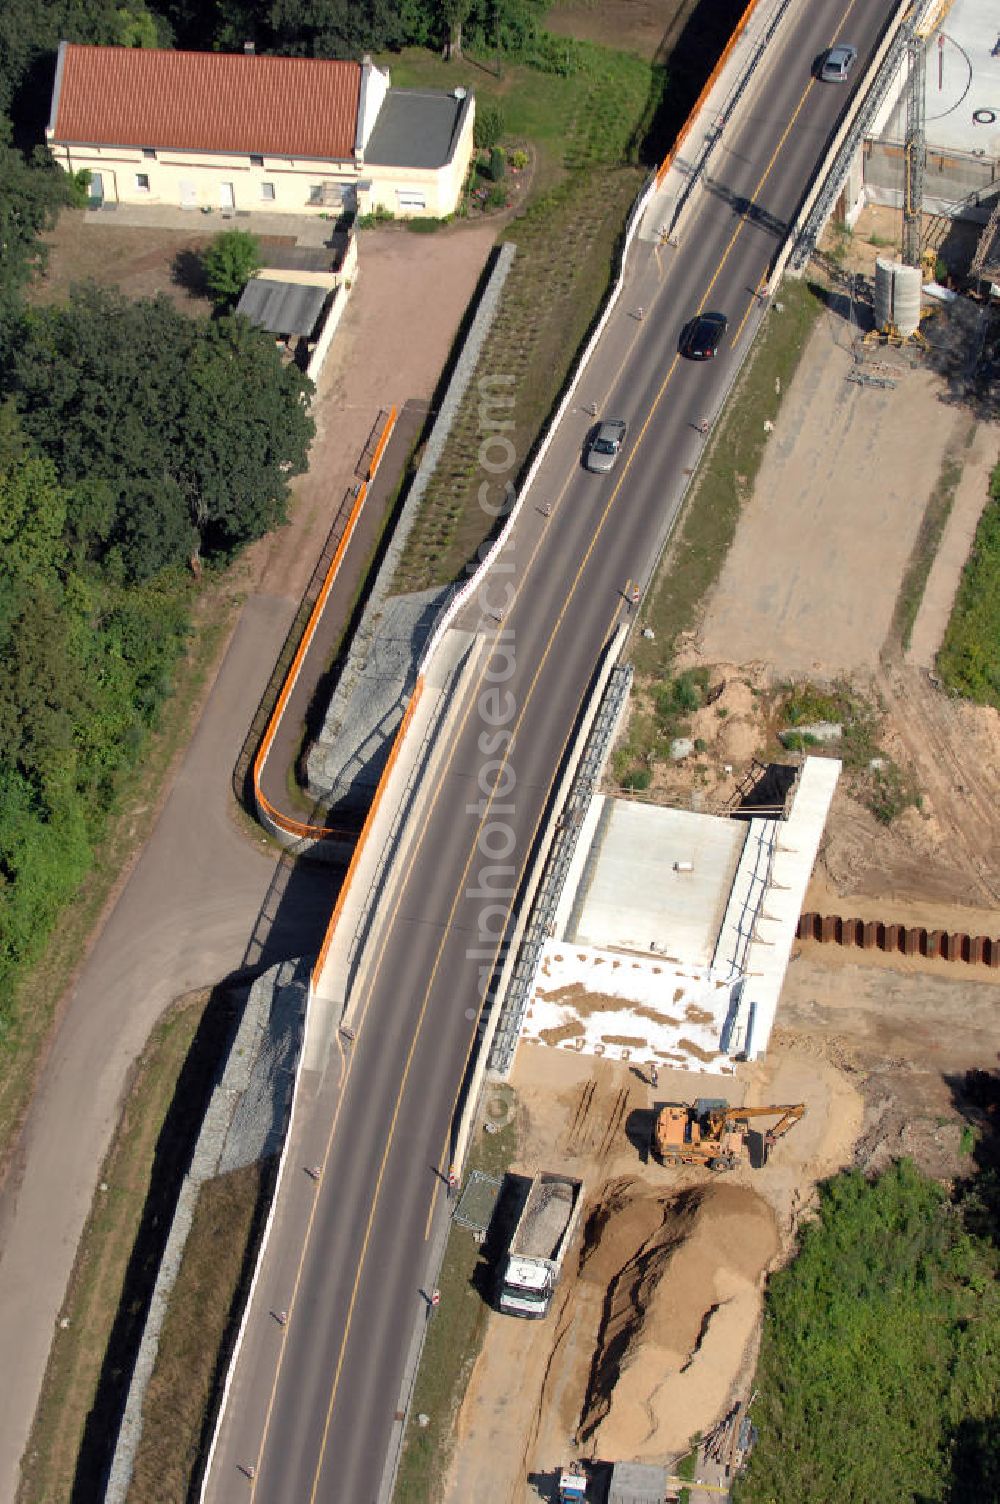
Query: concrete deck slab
[{"x": 657, "y": 880}]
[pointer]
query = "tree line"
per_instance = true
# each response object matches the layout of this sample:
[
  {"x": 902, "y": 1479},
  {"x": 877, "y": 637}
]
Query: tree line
[{"x": 137, "y": 446}]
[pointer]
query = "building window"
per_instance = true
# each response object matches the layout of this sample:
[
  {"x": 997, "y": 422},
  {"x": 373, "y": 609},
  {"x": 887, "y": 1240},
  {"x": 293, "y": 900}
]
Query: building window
[
  {"x": 316, "y": 193},
  {"x": 267, "y": 191},
  {"x": 148, "y": 151},
  {"x": 142, "y": 182},
  {"x": 256, "y": 161}
]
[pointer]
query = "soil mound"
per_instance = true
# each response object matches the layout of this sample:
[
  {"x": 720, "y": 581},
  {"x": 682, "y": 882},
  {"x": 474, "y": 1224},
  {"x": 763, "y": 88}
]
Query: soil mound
[{"x": 683, "y": 1277}]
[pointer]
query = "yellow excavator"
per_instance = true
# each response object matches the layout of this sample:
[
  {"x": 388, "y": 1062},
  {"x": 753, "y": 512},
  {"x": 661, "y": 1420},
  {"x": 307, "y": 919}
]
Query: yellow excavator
[{"x": 713, "y": 1134}]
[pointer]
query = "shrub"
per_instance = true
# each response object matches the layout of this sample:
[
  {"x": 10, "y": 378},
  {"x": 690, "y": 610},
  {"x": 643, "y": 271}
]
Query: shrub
[
  {"x": 427, "y": 225},
  {"x": 497, "y": 197},
  {"x": 518, "y": 159},
  {"x": 679, "y": 697},
  {"x": 229, "y": 262},
  {"x": 79, "y": 188},
  {"x": 378, "y": 216},
  {"x": 562, "y": 56},
  {"x": 498, "y": 164},
  {"x": 880, "y": 1341},
  {"x": 488, "y": 127},
  {"x": 637, "y": 779}
]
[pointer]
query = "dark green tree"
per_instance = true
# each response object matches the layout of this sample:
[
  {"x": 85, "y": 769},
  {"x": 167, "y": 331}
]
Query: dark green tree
[
  {"x": 333, "y": 28},
  {"x": 173, "y": 435},
  {"x": 31, "y": 195},
  {"x": 246, "y": 431}
]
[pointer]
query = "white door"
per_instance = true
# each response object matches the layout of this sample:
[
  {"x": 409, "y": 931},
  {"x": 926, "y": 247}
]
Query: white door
[
  {"x": 189, "y": 195},
  {"x": 226, "y": 198}
]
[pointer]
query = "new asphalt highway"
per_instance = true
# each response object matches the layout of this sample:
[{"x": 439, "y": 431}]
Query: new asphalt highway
[{"x": 312, "y": 1406}]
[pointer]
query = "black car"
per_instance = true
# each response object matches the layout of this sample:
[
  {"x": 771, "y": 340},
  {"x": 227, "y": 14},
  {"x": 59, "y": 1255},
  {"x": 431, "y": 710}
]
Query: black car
[{"x": 701, "y": 338}]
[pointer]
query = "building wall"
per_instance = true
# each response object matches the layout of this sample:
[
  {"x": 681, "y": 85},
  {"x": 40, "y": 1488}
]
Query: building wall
[
  {"x": 281, "y": 185},
  {"x": 374, "y": 87},
  {"x": 952, "y": 180},
  {"x": 195, "y": 180},
  {"x": 411, "y": 192}
]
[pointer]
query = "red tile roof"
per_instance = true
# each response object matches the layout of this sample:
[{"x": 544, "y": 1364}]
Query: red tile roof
[{"x": 206, "y": 101}]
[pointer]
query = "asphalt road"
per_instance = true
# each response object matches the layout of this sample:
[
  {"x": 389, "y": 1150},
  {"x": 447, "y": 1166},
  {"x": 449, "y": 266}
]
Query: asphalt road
[{"x": 316, "y": 1419}]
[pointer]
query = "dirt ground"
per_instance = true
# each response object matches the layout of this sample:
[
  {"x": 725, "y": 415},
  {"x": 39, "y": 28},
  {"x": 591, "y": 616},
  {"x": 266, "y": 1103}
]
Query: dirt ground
[
  {"x": 810, "y": 584},
  {"x": 140, "y": 262},
  {"x": 654, "y": 1331},
  {"x": 664, "y": 1282}
]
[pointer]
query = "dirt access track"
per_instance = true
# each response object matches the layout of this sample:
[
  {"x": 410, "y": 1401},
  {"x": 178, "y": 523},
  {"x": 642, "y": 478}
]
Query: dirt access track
[{"x": 654, "y": 1329}]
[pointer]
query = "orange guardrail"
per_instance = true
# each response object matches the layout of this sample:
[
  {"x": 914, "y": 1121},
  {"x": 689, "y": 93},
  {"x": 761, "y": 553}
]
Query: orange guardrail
[
  {"x": 338, "y": 907},
  {"x": 682, "y": 134},
  {"x": 284, "y": 822}
]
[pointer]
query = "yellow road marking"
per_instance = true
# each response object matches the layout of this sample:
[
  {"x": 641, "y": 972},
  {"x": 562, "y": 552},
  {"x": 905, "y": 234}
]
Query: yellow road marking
[
  {"x": 388, "y": 928},
  {"x": 458, "y": 895}
]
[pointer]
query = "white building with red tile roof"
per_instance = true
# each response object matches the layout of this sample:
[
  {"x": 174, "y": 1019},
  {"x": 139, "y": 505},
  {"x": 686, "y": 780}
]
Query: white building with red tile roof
[{"x": 241, "y": 132}]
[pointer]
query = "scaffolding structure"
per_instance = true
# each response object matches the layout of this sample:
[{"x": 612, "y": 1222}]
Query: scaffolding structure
[
  {"x": 915, "y": 146},
  {"x": 986, "y": 262}
]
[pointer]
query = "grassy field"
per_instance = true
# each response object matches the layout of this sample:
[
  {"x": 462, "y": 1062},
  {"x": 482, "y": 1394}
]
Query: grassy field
[
  {"x": 455, "y": 1334},
  {"x": 724, "y": 480},
  {"x": 111, "y": 1279},
  {"x": 198, "y": 1331},
  {"x": 969, "y": 660},
  {"x": 554, "y": 291},
  {"x": 880, "y": 1359},
  {"x": 928, "y": 540},
  {"x": 593, "y": 117}
]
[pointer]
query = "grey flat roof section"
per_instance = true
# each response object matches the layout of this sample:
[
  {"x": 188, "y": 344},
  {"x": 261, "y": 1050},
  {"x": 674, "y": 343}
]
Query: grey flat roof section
[
  {"x": 416, "y": 129},
  {"x": 282, "y": 307},
  {"x": 638, "y": 1483},
  {"x": 298, "y": 258},
  {"x": 630, "y": 896}
]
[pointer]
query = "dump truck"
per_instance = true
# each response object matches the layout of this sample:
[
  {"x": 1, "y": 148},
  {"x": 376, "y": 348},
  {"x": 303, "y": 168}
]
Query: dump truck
[
  {"x": 713, "y": 1134},
  {"x": 538, "y": 1246}
]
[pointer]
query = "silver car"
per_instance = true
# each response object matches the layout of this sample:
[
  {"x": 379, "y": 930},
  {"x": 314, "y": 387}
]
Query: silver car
[
  {"x": 838, "y": 63},
  {"x": 605, "y": 446}
]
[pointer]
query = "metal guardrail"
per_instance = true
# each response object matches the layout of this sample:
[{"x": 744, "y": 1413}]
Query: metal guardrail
[
  {"x": 570, "y": 822},
  {"x": 399, "y": 819},
  {"x": 808, "y": 232},
  {"x": 723, "y": 115}
]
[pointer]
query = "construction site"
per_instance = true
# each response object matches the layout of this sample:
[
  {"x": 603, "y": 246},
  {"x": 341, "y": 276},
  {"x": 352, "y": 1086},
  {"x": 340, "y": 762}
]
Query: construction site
[{"x": 694, "y": 1189}]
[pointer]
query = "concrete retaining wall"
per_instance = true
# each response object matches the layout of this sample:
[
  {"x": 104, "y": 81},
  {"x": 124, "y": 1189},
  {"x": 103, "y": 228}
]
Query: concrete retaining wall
[
  {"x": 949, "y": 178},
  {"x": 327, "y": 757},
  {"x": 246, "y": 1121}
]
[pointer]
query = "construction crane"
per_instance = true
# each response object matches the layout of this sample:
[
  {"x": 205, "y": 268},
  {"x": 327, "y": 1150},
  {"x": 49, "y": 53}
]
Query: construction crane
[
  {"x": 713, "y": 1134},
  {"x": 921, "y": 22}
]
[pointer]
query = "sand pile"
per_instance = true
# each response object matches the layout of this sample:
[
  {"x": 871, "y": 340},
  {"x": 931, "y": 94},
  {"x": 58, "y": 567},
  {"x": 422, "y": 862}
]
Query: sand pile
[{"x": 683, "y": 1277}]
